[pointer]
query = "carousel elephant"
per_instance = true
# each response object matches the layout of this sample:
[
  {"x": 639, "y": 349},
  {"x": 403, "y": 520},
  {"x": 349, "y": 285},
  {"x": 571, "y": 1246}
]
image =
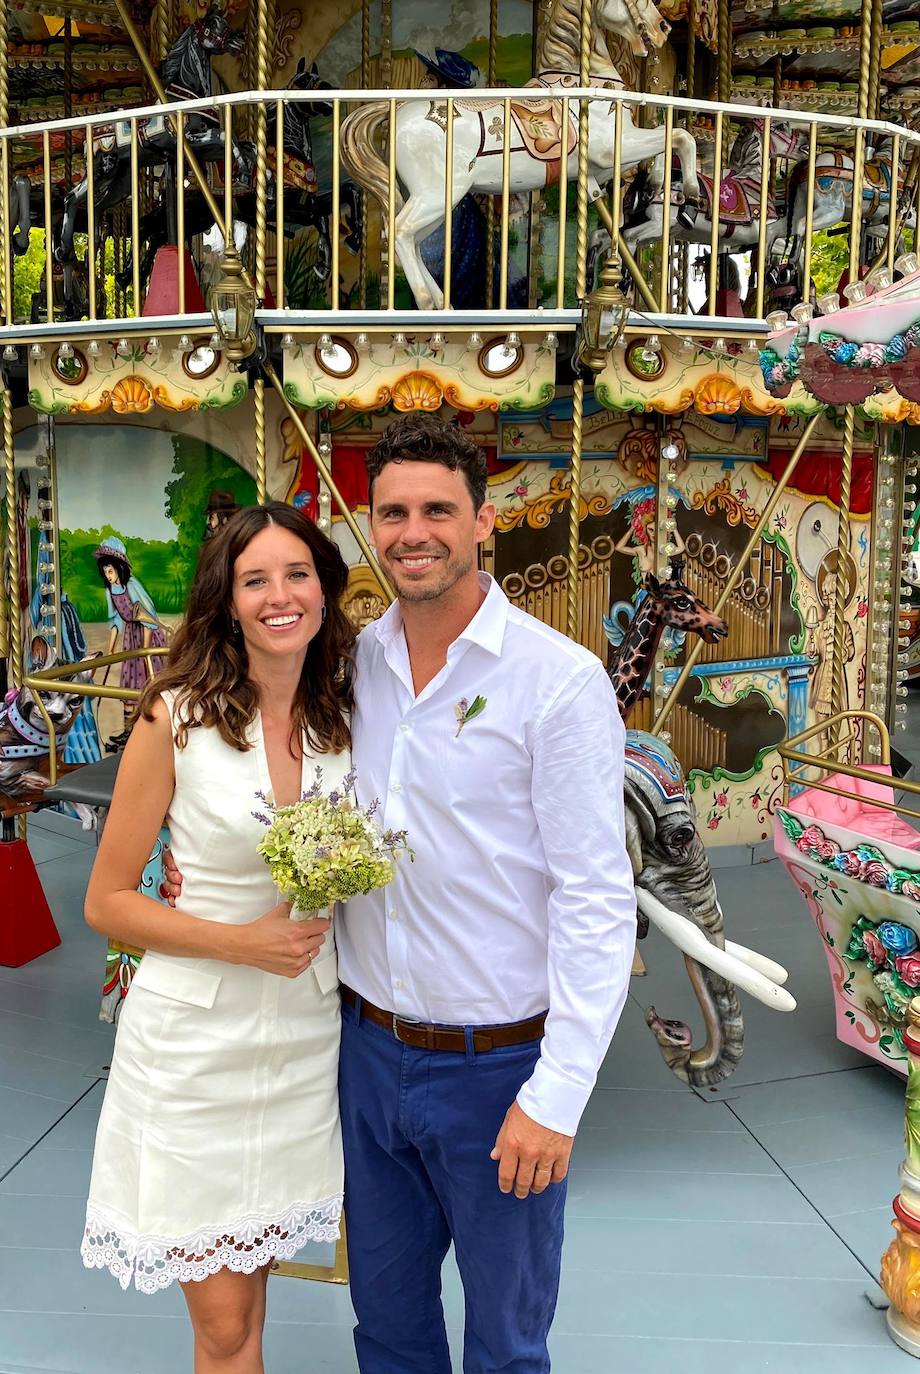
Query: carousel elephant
[{"x": 675, "y": 891}]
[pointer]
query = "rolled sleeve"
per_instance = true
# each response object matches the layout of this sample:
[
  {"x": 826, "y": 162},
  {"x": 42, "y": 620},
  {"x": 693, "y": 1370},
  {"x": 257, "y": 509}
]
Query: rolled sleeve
[{"x": 577, "y": 796}]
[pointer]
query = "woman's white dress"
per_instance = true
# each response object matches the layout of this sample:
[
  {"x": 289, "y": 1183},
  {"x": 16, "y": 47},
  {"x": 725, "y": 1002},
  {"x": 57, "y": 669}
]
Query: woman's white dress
[{"x": 218, "y": 1143}]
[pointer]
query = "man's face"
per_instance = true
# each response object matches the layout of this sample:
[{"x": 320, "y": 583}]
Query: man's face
[{"x": 425, "y": 529}]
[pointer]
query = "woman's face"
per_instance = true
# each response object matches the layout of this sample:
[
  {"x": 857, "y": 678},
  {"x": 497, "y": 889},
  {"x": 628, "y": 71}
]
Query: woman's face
[
  {"x": 277, "y": 596},
  {"x": 110, "y": 573}
]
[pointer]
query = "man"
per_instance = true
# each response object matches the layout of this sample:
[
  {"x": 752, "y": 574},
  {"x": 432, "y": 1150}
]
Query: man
[
  {"x": 481, "y": 988},
  {"x": 496, "y": 743}
]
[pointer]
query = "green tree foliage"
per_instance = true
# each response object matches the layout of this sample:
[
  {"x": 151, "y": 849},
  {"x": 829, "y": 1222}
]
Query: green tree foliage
[
  {"x": 199, "y": 469},
  {"x": 29, "y": 272},
  {"x": 830, "y": 258}
]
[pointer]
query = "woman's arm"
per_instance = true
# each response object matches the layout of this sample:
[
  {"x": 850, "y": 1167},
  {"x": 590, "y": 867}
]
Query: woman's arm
[{"x": 114, "y": 907}]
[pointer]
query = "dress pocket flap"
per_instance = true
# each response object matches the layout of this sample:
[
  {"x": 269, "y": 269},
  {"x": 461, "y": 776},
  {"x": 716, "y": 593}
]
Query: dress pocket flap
[
  {"x": 327, "y": 971},
  {"x": 161, "y": 974}
]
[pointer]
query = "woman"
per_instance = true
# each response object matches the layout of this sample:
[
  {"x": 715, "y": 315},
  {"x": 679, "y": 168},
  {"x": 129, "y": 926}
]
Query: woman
[
  {"x": 218, "y": 1147},
  {"x": 131, "y": 614}
]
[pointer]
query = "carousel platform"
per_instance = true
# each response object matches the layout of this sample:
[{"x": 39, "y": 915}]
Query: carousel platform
[{"x": 739, "y": 1233}]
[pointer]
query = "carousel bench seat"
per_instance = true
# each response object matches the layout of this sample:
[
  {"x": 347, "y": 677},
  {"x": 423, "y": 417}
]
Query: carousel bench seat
[
  {"x": 92, "y": 784},
  {"x": 858, "y": 812}
]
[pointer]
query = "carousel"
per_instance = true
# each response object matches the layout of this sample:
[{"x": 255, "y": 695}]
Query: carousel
[{"x": 660, "y": 262}]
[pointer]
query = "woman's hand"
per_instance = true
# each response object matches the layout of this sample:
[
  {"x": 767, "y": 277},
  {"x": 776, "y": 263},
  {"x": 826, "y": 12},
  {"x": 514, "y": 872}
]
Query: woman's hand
[{"x": 276, "y": 944}]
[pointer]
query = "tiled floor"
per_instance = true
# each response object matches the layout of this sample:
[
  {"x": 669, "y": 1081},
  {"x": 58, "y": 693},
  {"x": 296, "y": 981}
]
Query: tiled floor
[{"x": 738, "y": 1233}]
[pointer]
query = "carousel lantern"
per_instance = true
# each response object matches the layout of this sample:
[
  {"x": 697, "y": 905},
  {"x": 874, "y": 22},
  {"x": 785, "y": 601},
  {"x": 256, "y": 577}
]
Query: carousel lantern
[
  {"x": 474, "y": 343},
  {"x": 777, "y": 319},
  {"x": 215, "y": 342},
  {"x": 153, "y": 347},
  {"x": 399, "y": 340},
  {"x": 362, "y": 343},
  {"x": 802, "y": 312},
  {"x": 552, "y": 342},
  {"x": 855, "y": 292},
  {"x": 93, "y": 348},
  {"x": 9, "y": 354},
  {"x": 687, "y": 348},
  {"x": 36, "y": 352},
  {"x": 233, "y": 305},
  {"x": 65, "y": 350},
  {"x": 287, "y": 342},
  {"x": 185, "y": 344},
  {"x": 123, "y": 348},
  {"x": 879, "y": 279},
  {"x": 513, "y": 340},
  {"x": 907, "y": 264},
  {"x": 438, "y": 342},
  {"x": 719, "y": 348},
  {"x": 603, "y": 315},
  {"x": 324, "y": 343},
  {"x": 753, "y": 347}
]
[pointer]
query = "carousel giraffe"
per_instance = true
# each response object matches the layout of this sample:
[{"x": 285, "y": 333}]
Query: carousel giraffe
[{"x": 665, "y": 603}]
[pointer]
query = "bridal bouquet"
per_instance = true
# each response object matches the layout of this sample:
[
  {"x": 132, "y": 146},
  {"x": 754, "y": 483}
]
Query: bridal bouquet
[{"x": 322, "y": 849}]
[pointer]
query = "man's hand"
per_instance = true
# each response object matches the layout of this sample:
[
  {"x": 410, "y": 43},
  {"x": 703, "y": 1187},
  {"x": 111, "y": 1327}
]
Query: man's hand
[
  {"x": 530, "y": 1156},
  {"x": 171, "y": 886}
]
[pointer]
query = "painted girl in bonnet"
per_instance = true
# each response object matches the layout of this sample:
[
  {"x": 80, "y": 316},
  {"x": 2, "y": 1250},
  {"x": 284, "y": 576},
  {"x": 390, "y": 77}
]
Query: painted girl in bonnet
[{"x": 131, "y": 614}]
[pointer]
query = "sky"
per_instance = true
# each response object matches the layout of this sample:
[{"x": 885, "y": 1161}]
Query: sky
[{"x": 109, "y": 475}]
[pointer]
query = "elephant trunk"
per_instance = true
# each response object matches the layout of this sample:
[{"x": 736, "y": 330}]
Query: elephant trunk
[{"x": 676, "y": 871}]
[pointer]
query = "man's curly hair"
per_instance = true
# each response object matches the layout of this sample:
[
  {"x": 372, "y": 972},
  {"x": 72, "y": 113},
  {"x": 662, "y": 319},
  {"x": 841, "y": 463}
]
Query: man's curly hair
[{"x": 424, "y": 438}]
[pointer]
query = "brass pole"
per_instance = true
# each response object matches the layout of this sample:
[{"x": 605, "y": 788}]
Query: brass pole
[
  {"x": 326, "y": 475},
  {"x": 724, "y": 22},
  {"x": 336, "y": 200},
  {"x": 6, "y": 302},
  {"x": 90, "y": 217},
  {"x": 563, "y": 199},
  {"x": 263, "y": 17},
  {"x": 506, "y": 204},
  {"x": 448, "y": 202},
  {"x": 809, "y": 209},
  {"x": 490, "y": 208},
  {"x": 279, "y": 205},
  {"x": 716, "y": 202},
  {"x": 49, "y": 274},
  {"x": 664, "y": 280},
  {"x": 12, "y": 544},
  {"x": 391, "y": 209},
  {"x": 693, "y": 11},
  {"x": 578, "y": 388},
  {"x": 635, "y": 271},
  {"x": 258, "y": 397},
  {"x": 741, "y": 563},
  {"x": 365, "y": 200},
  {"x": 762, "y": 230},
  {"x": 135, "y": 225},
  {"x": 180, "y": 206}
]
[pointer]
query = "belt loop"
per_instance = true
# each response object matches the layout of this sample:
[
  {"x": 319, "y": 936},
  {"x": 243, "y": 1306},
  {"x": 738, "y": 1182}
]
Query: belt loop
[
  {"x": 359, "y": 1003},
  {"x": 470, "y": 1047}
]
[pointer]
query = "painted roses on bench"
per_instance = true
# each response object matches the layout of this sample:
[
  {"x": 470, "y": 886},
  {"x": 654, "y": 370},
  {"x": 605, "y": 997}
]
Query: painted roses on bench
[{"x": 323, "y": 850}]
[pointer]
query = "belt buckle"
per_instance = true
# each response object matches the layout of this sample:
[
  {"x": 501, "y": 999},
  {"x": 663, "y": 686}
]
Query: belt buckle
[{"x": 396, "y": 1028}]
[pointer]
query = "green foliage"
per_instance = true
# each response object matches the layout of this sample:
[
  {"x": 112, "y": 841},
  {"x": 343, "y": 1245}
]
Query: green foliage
[
  {"x": 29, "y": 272},
  {"x": 199, "y": 469},
  {"x": 830, "y": 258}
]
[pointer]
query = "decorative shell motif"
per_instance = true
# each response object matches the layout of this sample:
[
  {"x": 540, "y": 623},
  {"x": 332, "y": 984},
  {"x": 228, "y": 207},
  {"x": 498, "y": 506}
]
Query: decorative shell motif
[
  {"x": 131, "y": 396},
  {"x": 717, "y": 394},
  {"x": 417, "y": 391}
]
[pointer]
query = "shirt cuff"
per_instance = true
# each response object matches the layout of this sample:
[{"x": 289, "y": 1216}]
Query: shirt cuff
[{"x": 554, "y": 1101}]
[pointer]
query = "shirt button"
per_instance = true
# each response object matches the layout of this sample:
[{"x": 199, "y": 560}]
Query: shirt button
[
  {"x": 404, "y": 727},
  {"x": 397, "y": 983},
  {"x": 393, "y": 914},
  {"x": 396, "y": 787}
]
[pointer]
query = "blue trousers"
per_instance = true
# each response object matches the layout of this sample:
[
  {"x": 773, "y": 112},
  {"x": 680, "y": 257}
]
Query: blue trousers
[{"x": 418, "y": 1129}]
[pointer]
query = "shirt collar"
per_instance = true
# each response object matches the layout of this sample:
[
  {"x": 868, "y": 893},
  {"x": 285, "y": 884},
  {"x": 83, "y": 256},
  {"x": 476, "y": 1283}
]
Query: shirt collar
[{"x": 487, "y": 628}]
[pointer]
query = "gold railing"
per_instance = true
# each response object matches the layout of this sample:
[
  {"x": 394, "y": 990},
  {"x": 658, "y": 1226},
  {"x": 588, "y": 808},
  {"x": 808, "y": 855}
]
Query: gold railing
[
  {"x": 844, "y": 730},
  {"x": 366, "y": 126}
]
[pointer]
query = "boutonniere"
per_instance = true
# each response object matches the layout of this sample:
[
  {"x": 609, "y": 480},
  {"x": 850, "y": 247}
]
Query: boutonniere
[{"x": 465, "y": 711}]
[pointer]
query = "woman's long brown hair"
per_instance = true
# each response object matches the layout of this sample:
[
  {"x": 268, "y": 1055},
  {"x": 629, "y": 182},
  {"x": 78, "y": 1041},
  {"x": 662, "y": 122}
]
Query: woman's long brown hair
[{"x": 208, "y": 667}]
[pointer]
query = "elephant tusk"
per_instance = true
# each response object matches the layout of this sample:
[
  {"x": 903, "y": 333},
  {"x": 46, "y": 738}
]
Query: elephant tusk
[
  {"x": 768, "y": 967},
  {"x": 693, "y": 942}
]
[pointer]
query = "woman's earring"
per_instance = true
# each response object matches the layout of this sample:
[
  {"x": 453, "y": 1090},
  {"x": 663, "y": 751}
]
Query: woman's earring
[
  {"x": 322, "y": 614},
  {"x": 235, "y": 627}
]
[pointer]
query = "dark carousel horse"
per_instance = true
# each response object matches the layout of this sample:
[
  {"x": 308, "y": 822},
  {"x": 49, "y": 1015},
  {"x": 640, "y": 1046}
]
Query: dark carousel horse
[
  {"x": 186, "y": 73},
  {"x": 304, "y": 205}
]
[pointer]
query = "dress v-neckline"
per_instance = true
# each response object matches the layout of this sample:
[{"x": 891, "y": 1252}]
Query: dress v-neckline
[{"x": 265, "y": 777}]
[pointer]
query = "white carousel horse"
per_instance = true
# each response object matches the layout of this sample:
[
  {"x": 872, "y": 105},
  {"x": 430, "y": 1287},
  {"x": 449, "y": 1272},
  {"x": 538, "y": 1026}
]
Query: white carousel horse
[
  {"x": 739, "y": 195},
  {"x": 833, "y": 195},
  {"x": 535, "y": 158}
]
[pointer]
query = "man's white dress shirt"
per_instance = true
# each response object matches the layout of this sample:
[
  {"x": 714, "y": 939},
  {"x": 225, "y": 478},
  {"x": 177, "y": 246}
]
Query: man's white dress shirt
[{"x": 521, "y": 896}]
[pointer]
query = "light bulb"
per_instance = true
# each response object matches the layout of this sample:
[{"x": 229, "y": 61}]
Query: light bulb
[
  {"x": 474, "y": 342},
  {"x": 214, "y": 343},
  {"x": 671, "y": 452},
  {"x": 362, "y": 343},
  {"x": 36, "y": 352},
  {"x": 93, "y": 348},
  {"x": 185, "y": 344},
  {"x": 552, "y": 342},
  {"x": 399, "y": 340},
  {"x": 287, "y": 342},
  {"x": 153, "y": 347},
  {"x": 123, "y": 348},
  {"x": 9, "y": 354},
  {"x": 437, "y": 342},
  {"x": 513, "y": 340}
]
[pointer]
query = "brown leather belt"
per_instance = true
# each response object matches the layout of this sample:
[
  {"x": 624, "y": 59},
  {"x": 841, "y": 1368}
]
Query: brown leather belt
[{"x": 452, "y": 1038}]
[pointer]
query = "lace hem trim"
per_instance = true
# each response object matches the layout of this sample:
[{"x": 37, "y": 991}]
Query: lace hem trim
[{"x": 154, "y": 1262}]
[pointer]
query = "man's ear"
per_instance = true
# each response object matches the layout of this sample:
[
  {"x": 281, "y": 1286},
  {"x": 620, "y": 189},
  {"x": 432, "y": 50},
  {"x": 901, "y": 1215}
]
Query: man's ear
[{"x": 485, "y": 520}]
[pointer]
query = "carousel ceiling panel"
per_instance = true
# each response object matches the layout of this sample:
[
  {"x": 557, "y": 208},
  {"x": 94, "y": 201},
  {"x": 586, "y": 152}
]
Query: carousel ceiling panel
[
  {"x": 674, "y": 377},
  {"x": 497, "y": 373},
  {"x": 150, "y": 375}
]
